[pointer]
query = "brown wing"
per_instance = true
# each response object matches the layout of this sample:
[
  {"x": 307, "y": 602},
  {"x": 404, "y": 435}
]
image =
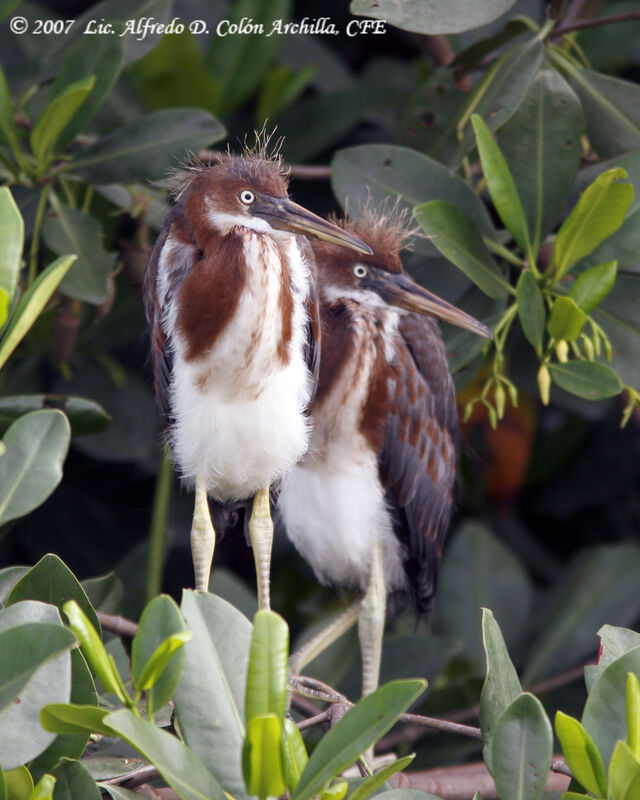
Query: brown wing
[{"x": 418, "y": 460}]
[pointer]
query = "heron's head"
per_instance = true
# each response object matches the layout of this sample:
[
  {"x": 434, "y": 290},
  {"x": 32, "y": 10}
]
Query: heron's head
[
  {"x": 379, "y": 278},
  {"x": 251, "y": 192}
]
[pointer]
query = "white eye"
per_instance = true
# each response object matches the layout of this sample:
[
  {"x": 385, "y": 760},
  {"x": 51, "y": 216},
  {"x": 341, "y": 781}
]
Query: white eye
[
  {"x": 246, "y": 197},
  {"x": 359, "y": 270}
]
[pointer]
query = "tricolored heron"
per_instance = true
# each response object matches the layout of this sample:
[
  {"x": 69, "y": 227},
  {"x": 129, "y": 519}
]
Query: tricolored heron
[
  {"x": 369, "y": 505},
  {"x": 229, "y": 298}
]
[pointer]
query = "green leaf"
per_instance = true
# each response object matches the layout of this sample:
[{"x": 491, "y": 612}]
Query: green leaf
[
  {"x": 71, "y": 718},
  {"x": 262, "y": 756},
  {"x": 99, "y": 56},
  {"x": 541, "y": 144},
  {"x": 31, "y": 304},
  {"x": 566, "y": 320},
  {"x": 105, "y": 592},
  {"x": 178, "y": 765},
  {"x": 85, "y": 415},
  {"x": 214, "y": 676},
  {"x": 432, "y": 17},
  {"x": 619, "y": 316},
  {"x": 624, "y": 774},
  {"x": 51, "y": 581},
  {"x": 360, "y": 727},
  {"x": 294, "y": 754},
  {"x": 8, "y": 129},
  {"x": 501, "y": 684},
  {"x": 43, "y": 790},
  {"x": 593, "y": 285},
  {"x": 19, "y": 783},
  {"x": 376, "y": 173},
  {"x": 531, "y": 309},
  {"x": 587, "y": 379},
  {"x": 74, "y": 782},
  {"x": 581, "y": 754},
  {"x": 521, "y": 750},
  {"x": 72, "y": 231},
  {"x": 599, "y": 212},
  {"x": 459, "y": 240},
  {"x": 55, "y": 118},
  {"x": 633, "y": 714},
  {"x": 369, "y": 785},
  {"x": 31, "y": 468},
  {"x": 479, "y": 571},
  {"x": 156, "y": 651},
  {"x": 268, "y": 666},
  {"x": 500, "y": 184},
  {"x": 142, "y": 149},
  {"x": 614, "y": 642},
  {"x": 101, "y": 663},
  {"x": 11, "y": 242},
  {"x": 597, "y": 586},
  {"x": 51, "y": 683}
]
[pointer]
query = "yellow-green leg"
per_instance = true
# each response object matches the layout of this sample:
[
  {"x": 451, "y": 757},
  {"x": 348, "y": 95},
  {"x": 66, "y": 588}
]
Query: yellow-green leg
[
  {"x": 261, "y": 535},
  {"x": 371, "y": 622},
  {"x": 203, "y": 539},
  {"x": 326, "y": 637}
]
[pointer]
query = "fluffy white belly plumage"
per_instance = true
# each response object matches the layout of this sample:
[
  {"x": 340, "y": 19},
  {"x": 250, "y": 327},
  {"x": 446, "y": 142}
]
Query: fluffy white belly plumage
[{"x": 239, "y": 412}]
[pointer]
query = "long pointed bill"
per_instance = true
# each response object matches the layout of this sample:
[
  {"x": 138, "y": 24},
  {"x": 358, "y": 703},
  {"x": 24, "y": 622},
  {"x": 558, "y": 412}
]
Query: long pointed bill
[
  {"x": 289, "y": 216},
  {"x": 400, "y": 290}
]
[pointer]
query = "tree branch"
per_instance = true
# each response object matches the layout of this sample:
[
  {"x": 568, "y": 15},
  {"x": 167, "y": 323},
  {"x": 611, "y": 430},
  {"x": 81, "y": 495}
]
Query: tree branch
[
  {"x": 581, "y": 24},
  {"x": 118, "y": 625}
]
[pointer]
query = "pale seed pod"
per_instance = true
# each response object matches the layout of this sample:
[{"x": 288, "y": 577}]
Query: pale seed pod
[
  {"x": 562, "y": 351},
  {"x": 500, "y": 398},
  {"x": 588, "y": 347},
  {"x": 544, "y": 384}
]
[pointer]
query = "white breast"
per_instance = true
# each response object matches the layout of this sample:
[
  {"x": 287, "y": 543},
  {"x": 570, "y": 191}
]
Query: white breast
[
  {"x": 332, "y": 503},
  {"x": 239, "y": 413}
]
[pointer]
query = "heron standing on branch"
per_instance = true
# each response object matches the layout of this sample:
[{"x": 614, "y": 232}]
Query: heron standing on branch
[
  {"x": 230, "y": 300},
  {"x": 369, "y": 505}
]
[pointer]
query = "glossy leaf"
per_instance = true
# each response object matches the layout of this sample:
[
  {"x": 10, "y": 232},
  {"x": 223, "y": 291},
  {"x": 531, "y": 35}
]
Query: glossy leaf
[
  {"x": 500, "y": 184},
  {"x": 51, "y": 683},
  {"x": 624, "y": 773},
  {"x": 11, "y": 243},
  {"x": 432, "y": 17},
  {"x": 593, "y": 285},
  {"x": 294, "y": 754},
  {"x": 614, "y": 642},
  {"x": 214, "y": 676},
  {"x": 360, "y": 727},
  {"x": 31, "y": 468},
  {"x": 105, "y": 593},
  {"x": 31, "y": 304},
  {"x": 85, "y": 416},
  {"x": 178, "y": 765},
  {"x": 459, "y": 240},
  {"x": 9, "y": 576},
  {"x": 262, "y": 756},
  {"x": 566, "y": 320},
  {"x": 8, "y": 130},
  {"x": 74, "y": 782},
  {"x": 55, "y": 118},
  {"x": 531, "y": 309},
  {"x": 541, "y": 144},
  {"x": 72, "y": 231},
  {"x": 581, "y": 754},
  {"x": 384, "y": 173},
  {"x": 25, "y": 648},
  {"x": 141, "y": 150},
  {"x": 502, "y": 89},
  {"x": 597, "y": 587},
  {"x": 43, "y": 790},
  {"x": 268, "y": 666},
  {"x": 619, "y": 316},
  {"x": 100, "y": 56},
  {"x": 587, "y": 379},
  {"x": 19, "y": 784},
  {"x": 51, "y": 581},
  {"x": 521, "y": 750},
  {"x": 501, "y": 684},
  {"x": 599, "y": 212},
  {"x": 370, "y": 785},
  {"x": 633, "y": 714},
  {"x": 101, "y": 663},
  {"x": 156, "y": 651},
  {"x": 71, "y": 718}
]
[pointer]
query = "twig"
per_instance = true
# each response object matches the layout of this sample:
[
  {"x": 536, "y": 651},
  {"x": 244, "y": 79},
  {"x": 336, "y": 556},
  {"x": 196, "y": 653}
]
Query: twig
[
  {"x": 317, "y": 719},
  {"x": 310, "y": 687},
  {"x": 595, "y": 23},
  {"x": 442, "y": 725},
  {"x": 117, "y": 625},
  {"x": 559, "y": 765}
]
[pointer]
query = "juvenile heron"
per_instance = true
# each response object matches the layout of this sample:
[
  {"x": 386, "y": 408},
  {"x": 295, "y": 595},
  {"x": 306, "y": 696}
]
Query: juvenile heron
[
  {"x": 369, "y": 505},
  {"x": 229, "y": 298}
]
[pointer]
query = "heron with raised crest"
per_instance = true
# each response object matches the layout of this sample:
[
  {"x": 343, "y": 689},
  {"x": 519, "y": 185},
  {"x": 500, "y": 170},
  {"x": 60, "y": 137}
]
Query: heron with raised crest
[
  {"x": 369, "y": 505},
  {"x": 230, "y": 300}
]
